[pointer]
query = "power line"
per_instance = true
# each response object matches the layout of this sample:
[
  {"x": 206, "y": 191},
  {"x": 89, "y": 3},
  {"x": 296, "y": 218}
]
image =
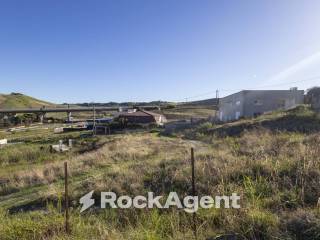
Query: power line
[
  {"x": 195, "y": 96},
  {"x": 257, "y": 87}
]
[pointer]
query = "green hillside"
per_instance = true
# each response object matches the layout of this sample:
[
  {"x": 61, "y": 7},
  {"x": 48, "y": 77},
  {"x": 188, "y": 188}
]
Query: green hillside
[{"x": 17, "y": 100}]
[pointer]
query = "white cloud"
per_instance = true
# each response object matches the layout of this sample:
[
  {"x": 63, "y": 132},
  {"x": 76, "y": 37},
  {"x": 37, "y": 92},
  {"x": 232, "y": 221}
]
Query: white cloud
[{"x": 297, "y": 69}]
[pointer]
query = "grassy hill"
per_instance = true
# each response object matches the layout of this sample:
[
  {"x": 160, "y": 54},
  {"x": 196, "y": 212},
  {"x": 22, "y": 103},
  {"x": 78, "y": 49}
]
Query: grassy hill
[
  {"x": 202, "y": 109},
  {"x": 17, "y": 100},
  {"x": 211, "y": 102},
  {"x": 301, "y": 119},
  {"x": 186, "y": 112},
  {"x": 272, "y": 162}
]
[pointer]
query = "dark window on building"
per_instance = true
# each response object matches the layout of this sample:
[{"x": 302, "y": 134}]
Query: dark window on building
[
  {"x": 257, "y": 102},
  {"x": 256, "y": 114}
]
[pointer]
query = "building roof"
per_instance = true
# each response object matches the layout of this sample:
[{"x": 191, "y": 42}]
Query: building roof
[
  {"x": 139, "y": 113},
  {"x": 151, "y": 113},
  {"x": 262, "y": 91}
]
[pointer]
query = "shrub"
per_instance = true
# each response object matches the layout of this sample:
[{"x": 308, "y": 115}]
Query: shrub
[{"x": 302, "y": 225}]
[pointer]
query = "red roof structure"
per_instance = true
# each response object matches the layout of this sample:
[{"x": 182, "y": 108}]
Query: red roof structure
[{"x": 142, "y": 117}]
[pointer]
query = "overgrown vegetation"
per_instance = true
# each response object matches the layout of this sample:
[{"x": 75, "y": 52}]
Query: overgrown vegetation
[{"x": 274, "y": 167}]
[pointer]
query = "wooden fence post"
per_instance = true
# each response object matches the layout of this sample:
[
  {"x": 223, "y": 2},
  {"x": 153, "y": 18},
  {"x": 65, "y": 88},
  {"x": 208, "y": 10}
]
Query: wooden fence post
[
  {"x": 193, "y": 192},
  {"x": 66, "y": 196}
]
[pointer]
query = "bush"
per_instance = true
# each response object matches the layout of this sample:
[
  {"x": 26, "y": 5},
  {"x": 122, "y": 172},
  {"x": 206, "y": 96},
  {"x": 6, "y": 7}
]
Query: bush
[
  {"x": 302, "y": 225},
  {"x": 258, "y": 224},
  {"x": 205, "y": 127}
]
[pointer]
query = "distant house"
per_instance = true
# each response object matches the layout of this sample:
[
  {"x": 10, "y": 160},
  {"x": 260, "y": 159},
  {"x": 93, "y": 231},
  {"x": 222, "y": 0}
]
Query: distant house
[
  {"x": 141, "y": 117},
  {"x": 252, "y": 103}
]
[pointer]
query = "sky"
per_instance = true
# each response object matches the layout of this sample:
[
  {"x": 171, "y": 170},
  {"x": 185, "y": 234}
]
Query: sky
[{"x": 143, "y": 50}]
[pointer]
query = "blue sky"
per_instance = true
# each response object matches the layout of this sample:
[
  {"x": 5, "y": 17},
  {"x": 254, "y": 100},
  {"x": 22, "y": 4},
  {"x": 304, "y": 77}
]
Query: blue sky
[{"x": 142, "y": 50}]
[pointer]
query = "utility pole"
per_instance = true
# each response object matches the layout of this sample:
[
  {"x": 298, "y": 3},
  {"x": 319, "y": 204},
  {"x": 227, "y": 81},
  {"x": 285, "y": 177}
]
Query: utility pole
[{"x": 217, "y": 102}]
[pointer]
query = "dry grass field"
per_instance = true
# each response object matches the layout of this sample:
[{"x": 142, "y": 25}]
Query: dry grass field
[{"x": 275, "y": 171}]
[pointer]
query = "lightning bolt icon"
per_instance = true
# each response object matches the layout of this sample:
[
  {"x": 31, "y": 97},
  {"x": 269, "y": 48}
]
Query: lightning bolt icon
[{"x": 86, "y": 201}]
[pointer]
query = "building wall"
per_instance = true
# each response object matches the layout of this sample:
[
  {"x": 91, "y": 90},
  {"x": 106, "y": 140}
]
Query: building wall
[
  {"x": 314, "y": 95},
  {"x": 231, "y": 107},
  {"x": 258, "y": 102},
  {"x": 160, "y": 119},
  {"x": 315, "y": 104},
  {"x": 251, "y": 103},
  {"x": 138, "y": 119},
  {"x": 142, "y": 117}
]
